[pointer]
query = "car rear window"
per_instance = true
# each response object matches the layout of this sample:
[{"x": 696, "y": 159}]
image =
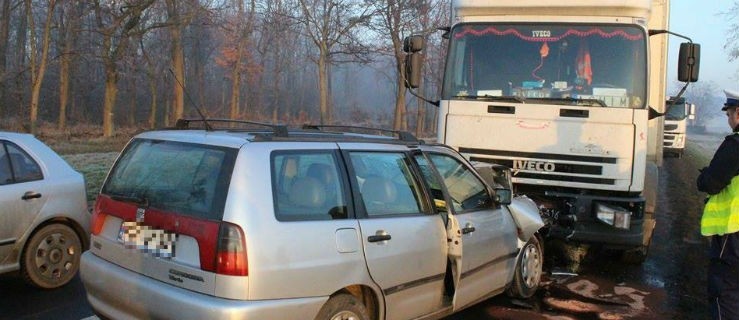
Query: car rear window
[{"x": 186, "y": 178}]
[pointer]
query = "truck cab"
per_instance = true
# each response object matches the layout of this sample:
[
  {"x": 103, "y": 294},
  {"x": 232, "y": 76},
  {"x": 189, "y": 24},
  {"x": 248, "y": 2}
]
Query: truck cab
[
  {"x": 569, "y": 95},
  {"x": 677, "y": 114}
]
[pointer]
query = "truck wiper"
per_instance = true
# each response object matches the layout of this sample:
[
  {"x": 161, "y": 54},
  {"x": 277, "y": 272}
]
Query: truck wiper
[
  {"x": 578, "y": 102},
  {"x": 142, "y": 201},
  {"x": 492, "y": 98}
]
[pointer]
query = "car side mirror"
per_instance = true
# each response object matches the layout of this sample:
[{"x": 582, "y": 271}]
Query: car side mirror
[{"x": 503, "y": 196}]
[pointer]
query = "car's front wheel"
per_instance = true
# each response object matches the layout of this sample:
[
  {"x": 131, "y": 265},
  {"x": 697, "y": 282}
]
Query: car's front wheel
[
  {"x": 528, "y": 271},
  {"x": 51, "y": 256},
  {"x": 343, "y": 307}
]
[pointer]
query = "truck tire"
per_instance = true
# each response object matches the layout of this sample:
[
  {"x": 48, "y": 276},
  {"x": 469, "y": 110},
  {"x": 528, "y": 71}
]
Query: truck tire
[
  {"x": 343, "y": 306},
  {"x": 527, "y": 275}
]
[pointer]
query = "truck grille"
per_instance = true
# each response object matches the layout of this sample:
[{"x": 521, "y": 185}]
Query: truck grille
[
  {"x": 670, "y": 127},
  {"x": 550, "y": 170}
]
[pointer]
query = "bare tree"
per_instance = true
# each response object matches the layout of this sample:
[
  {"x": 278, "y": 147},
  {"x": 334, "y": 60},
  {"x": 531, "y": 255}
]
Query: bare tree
[
  {"x": 732, "y": 40},
  {"x": 69, "y": 21},
  {"x": 332, "y": 26},
  {"x": 117, "y": 25},
  {"x": 5, "y": 10},
  {"x": 38, "y": 64},
  {"x": 393, "y": 21},
  {"x": 235, "y": 54}
]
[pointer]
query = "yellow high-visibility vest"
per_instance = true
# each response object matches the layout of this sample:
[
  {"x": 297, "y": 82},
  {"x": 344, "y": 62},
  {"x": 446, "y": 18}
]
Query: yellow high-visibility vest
[{"x": 721, "y": 213}]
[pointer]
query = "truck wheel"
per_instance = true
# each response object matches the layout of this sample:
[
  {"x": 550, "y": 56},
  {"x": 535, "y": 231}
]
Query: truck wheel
[
  {"x": 51, "y": 256},
  {"x": 343, "y": 307},
  {"x": 527, "y": 276}
]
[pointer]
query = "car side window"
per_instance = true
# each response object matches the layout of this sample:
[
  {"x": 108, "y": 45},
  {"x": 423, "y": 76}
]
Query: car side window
[
  {"x": 433, "y": 182},
  {"x": 386, "y": 183},
  {"x": 24, "y": 168},
  {"x": 466, "y": 191},
  {"x": 307, "y": 185}
]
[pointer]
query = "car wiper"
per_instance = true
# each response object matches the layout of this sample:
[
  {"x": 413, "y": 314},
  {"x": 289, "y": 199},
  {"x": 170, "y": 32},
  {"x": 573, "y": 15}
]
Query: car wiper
[
  {"x": 578, "y": 102},
  {"x": 142, "y": 201},
  {"x": 492, "y": 98}
]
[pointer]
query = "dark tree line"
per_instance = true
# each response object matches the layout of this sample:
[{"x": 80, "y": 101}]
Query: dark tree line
[{"x": 144, "y": 63}]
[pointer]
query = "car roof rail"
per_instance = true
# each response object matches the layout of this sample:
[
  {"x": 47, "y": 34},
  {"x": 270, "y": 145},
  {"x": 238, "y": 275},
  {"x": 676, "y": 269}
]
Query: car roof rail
[
  {"x": 402, "y": 135},
  {"x": 278, "y": 130}
]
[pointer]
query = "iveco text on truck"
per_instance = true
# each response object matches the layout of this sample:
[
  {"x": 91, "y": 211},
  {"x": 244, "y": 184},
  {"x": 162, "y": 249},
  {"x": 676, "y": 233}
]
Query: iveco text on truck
[{"x": 569, "y": 94}]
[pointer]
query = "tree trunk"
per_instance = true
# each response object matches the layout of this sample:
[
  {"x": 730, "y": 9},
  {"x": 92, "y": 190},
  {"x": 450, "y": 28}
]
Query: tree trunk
[
  {"x": 68, "y": 36},
  {"x": 111, "y": 91},
  {"x": 132, "y": 100},
  {"x": 399, "y": 122},
  {"x": 63, "y": 91},
  {"x": 235, "y": 93},
  {"x": 421, "y": 113},
  {"x": 178, "y": 60},
  {"x": 153, "y": 92},
  {"x": 37, "y": 72},
  {"x": 4, "y": 33},
  {"x": 178, "y": 66},
  {"x": 323, "y": 87}
]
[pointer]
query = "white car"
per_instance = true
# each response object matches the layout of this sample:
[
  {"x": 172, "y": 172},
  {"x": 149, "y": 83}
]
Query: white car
[{"x": 44, "y": 221}]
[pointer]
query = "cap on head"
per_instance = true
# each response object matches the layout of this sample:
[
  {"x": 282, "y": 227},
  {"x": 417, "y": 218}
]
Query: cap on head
[{"x": 732, "y": 100}]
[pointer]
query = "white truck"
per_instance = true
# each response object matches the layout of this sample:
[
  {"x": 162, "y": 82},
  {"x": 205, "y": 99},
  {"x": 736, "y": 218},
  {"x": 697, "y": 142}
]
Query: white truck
[
  {"x": 570, "y": 95},
  {"x": 676, "y": 126}
]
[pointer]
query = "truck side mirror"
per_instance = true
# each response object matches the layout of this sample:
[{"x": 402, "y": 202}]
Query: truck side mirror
[
  {"x": 413, "y": 63},
  {"x": 413, "y": 44},
  {"x": 688, "y": 62}
]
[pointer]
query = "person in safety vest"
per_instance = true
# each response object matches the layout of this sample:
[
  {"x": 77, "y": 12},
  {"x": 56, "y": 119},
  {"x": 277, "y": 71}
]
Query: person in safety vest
[{"x": 720, "y": 220}]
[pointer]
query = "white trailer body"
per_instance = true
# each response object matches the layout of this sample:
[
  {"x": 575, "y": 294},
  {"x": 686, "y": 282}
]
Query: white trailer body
[{"x": 560, "y": 93}]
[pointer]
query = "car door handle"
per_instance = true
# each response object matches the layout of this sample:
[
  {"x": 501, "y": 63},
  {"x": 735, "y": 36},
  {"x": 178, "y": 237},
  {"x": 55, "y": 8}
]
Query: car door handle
[
  {"x": 30, "y": 195},
  {"x": 379, "y": 237},
  {"x": 467, "y": 229}
]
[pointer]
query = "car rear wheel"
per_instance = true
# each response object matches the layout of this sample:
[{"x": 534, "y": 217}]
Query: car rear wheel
[
  {"x": 51, "y": 256},
  {"x": 343, "y": 307},
  {"x": 528, "y": 271}
]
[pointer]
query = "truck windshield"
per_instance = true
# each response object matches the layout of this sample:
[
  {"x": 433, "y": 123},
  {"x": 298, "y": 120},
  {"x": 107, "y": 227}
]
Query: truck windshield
[
  {"x": 548, "y": 62},
  {"x": 675, "y": 111}
]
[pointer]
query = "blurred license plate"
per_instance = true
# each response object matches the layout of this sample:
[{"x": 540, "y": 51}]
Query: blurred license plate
[{"x": 155, "y": 242}]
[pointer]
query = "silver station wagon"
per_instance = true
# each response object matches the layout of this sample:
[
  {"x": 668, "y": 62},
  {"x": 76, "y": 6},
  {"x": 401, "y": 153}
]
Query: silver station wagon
[{"x": 315, "y": 223}]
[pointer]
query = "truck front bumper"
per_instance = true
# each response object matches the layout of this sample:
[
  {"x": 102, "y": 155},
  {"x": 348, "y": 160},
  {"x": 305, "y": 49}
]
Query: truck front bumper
[{"x": 582, "y": 225}]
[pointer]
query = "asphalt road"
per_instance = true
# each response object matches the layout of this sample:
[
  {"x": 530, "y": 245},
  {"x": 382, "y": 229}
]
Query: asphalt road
[
  {"x": 669, "y": 285},
  {"x": 20, "y": 301}
]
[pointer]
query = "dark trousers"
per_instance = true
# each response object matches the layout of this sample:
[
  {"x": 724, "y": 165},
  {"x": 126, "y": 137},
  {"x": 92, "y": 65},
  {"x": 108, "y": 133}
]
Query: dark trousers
[{"x": 723, "y": 277}]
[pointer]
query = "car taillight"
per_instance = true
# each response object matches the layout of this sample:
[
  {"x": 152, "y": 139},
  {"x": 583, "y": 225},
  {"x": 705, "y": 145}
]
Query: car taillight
[
  {"x": 231, "y": 252},
  {"x": 97, "y": 221}
]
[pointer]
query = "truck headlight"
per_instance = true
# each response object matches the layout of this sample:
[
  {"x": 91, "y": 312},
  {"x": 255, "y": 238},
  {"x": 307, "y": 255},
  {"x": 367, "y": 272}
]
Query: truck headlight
[{"x": 613, "y": 215}]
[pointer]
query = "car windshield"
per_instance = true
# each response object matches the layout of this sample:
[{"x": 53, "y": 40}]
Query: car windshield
[
  {"x": 548, "y": 61},
  {"x": 186, "y": 178}
]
